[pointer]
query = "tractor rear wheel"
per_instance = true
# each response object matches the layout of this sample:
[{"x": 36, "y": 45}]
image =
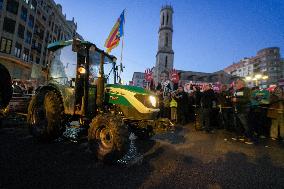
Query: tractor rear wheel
[
  {"x": 46, "y": 116},
  {"x": 108, "y": 138}
]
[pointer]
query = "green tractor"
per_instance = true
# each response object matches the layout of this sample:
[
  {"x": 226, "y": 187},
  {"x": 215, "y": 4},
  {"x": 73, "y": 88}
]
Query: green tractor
[
  {"x": 6, "y": 91},
  {"x": 77, "y": 91}
]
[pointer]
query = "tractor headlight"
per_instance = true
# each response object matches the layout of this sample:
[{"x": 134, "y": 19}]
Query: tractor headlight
[{"x": 153, "y": 100}]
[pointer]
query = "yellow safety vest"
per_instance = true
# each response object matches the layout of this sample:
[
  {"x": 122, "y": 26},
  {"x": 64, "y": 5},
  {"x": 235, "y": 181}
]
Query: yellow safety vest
[{"x": 173, "y": 103}]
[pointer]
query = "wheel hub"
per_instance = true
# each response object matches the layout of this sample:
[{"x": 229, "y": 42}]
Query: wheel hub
[{"x": 106, "y": 138}]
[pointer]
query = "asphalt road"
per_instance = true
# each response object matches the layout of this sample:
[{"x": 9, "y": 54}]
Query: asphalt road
[{"x": 181, "y": 159}]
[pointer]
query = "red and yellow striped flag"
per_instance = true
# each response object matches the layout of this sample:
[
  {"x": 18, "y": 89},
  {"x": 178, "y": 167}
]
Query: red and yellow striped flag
[{"x": 115, "y": 34}]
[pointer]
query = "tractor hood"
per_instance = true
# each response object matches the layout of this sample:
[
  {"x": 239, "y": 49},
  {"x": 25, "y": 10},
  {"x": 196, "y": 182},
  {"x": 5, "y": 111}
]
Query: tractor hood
[
  {"x": 133, "y": 89},
  {"x": 133, "y": 100}
]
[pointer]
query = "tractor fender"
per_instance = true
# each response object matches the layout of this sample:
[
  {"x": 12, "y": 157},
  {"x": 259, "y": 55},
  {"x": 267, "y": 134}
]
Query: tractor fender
[
  {"x": 67, "y": 96},
  {"x": 46, "y": 88}
]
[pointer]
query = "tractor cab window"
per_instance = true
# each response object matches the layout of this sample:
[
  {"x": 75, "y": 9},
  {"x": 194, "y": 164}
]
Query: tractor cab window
[
  {"x": 63, "y": 66},
  {"x": 95, "y": 57}
]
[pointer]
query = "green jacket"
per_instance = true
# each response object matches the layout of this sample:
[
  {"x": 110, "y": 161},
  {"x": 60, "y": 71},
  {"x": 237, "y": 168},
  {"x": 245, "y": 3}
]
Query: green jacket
[{"x": 260, "y": 97}]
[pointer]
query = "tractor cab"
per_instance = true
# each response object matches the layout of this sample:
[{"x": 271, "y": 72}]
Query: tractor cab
[{"x": 80, "y": 70}]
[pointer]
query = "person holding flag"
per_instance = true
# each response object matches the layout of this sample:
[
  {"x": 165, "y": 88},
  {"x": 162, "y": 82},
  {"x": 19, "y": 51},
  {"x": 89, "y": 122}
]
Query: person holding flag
[{"x": 115, "y": 34}]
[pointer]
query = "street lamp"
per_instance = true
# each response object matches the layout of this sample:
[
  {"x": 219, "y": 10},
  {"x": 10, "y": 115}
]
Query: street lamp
[
  {"x": 256, "y": 78},
  {"x": 248, "y": 78}
]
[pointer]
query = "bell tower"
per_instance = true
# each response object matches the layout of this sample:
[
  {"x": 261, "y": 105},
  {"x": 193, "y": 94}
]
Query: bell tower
[{"x": 165, "y": 54}]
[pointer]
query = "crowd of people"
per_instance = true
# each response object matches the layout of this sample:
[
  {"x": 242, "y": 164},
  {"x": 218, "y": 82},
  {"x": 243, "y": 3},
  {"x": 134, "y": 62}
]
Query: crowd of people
[{"x": 248, "y": 113}]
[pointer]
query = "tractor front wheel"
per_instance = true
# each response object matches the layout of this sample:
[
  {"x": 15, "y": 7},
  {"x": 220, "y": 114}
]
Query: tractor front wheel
[
  {"x": 108, "y": 138},
  {"x": 46, "y": 116}
]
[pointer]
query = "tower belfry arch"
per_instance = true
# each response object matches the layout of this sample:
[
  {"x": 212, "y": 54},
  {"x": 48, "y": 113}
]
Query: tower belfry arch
[{"x": 165, "y": 53}]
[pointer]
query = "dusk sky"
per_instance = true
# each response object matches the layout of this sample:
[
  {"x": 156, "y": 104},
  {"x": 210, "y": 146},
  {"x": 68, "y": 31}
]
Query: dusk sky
[{"x": 208, "y": 34}]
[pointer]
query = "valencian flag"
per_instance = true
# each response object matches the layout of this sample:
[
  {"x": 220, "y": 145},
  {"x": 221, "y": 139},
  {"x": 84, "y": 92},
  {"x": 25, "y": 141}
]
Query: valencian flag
[{"x": 115, "y": 34}]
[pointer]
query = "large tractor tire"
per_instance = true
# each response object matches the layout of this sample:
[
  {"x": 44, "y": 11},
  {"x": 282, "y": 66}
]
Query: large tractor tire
[
  {"x": 46, "y": 116},
  {"x": 108, "y": 138},
  {"x": 6, "y": 89}
]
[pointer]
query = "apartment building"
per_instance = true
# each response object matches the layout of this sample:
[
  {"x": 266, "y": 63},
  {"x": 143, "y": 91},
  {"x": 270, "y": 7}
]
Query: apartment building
[
  {"x": 26, "y": 28},
  {"x": 267, "y": 62}
]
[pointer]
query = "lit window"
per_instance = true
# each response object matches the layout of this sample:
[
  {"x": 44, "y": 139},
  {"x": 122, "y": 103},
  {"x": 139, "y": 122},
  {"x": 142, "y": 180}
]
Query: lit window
[
  {"x": 26, "y": 55},
  {"x": 18, "y": 49},
  {"x": 6, "y": 45}
]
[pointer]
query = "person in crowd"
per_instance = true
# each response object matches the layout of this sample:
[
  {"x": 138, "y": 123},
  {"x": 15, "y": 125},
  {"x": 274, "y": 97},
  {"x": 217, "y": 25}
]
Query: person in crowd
[
  {"x": 215, "y": 110},
  {"x": 258, "y": 111},
  {"x": 197, "y": 96},
  {"x": 182, "y": 105},
  {"x": 241, "y": 102},
  {"x": 167, "y": 110},
  {"x": 173, "y": 106},
  {"x": 226, "y": 108},
  {"x": 207, "y": 101},
  {"x": 191, "y": 104},
  {"x": 276, "y": 113}
]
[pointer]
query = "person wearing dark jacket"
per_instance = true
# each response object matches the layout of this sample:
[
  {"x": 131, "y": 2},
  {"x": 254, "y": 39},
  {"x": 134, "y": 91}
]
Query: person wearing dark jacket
[
  {"x": 207, "y": 102},
  {"x": 241, "y": 101},
  {"x": 226, "y": 108},
  {"x": 182, "y": 105},
  {"x": 197, "y": 96}
]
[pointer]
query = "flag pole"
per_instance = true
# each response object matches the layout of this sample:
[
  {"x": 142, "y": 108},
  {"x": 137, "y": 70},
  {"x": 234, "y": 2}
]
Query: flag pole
[{"x": 121, "y": 52}]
